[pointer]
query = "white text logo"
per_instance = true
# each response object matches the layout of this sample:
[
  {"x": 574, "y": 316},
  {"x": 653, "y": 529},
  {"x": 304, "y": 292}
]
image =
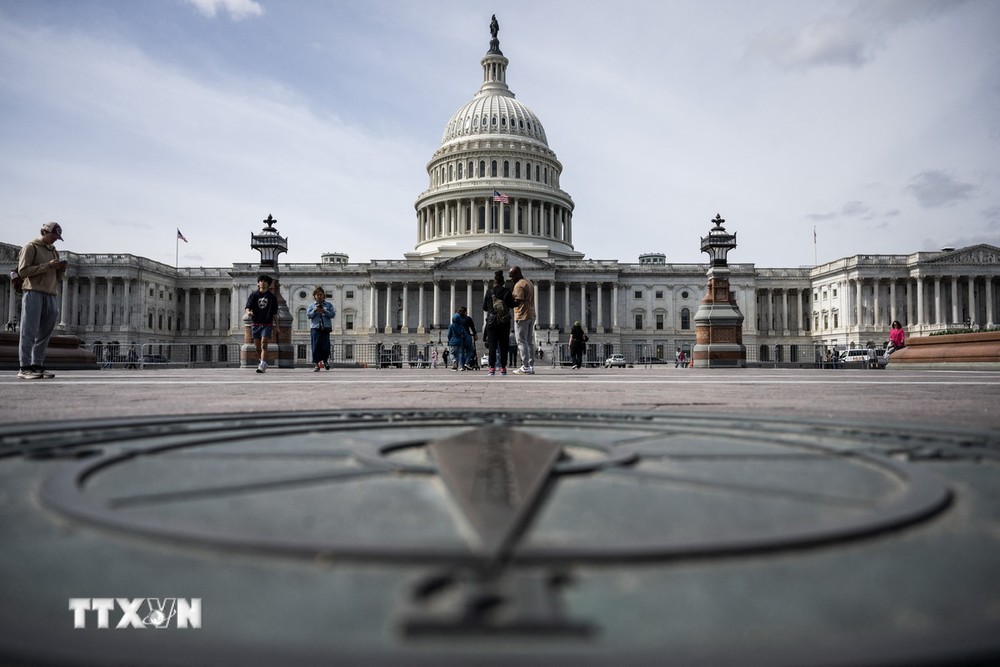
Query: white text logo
[{"x": 138, "y": 613}]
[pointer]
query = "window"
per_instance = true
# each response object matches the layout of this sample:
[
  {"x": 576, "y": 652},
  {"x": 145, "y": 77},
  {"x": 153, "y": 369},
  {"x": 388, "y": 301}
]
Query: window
[
  {"x": 517, "y": 170},
  {"x": 834, "y": 292},
  {"x": 301, "y": 321},
  {"x": 685, "y": 318},
  {"x": 638, "y": 320},
  {"x": 684, "y": 294},
  {"x": 506, "y": 169},
  {"x": 527, "y": 170},
  {"x": 482, "y": 169},
  {"x": 460, "y": 170},
  {"x": 493, "y": 169},
  {"x": 349, "y": 294},
  {"x": 659, "y": 321},
  {"x": 659, "y": 294},
  {"x": 637, "y": 294},
  {"x": 349, "y": 322}
]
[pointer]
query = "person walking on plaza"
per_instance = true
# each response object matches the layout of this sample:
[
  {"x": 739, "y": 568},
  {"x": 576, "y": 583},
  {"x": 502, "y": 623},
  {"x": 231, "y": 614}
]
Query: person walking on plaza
[
  {"x": 577, "y": 344},
  {"x": 897, "y": 337},
  {"x": 320, "y": 313},
  {"x": 458, "y": 335},
  {"x": 524, "y": 320},
  {"x": 679, "y": 358},
  {"x": 262, "y": 309},
  {"x": 498, "y": 304},
  {"x": 42, "y": 270},
  {"x": 471, "y": 360}
]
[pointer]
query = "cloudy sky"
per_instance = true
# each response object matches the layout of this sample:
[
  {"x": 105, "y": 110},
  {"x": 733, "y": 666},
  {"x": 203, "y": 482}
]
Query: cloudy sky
[{"x": 875, "y": 123}]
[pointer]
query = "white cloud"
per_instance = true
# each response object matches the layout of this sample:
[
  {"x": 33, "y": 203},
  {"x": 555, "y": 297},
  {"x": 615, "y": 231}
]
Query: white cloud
[{"x": 237, "y": 9}]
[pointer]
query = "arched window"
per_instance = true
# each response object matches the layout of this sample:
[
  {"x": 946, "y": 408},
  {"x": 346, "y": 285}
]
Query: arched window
[
  {"x": 506, "y": 169},
  {"x": 472, "y": 168},
  {"x": 482, "y": 169},
  {"x": 517, "y": 170},
  {"x": 493, "y": 169},
  {"x": 301, "y": 321},
  {"x": 685, "y": 318},
  {"x": 527, "y": 170},
  {"x": 459, "y": 171}
]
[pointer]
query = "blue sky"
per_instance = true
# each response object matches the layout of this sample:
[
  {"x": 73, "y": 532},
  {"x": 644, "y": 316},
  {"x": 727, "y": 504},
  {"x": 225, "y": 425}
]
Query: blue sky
[{"x": 876, "y": 123}]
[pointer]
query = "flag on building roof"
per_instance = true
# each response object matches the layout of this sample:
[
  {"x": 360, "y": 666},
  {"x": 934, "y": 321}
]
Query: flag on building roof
[
  {"x": 500, "y": 197},
  {"x": 181, "y": 236}
]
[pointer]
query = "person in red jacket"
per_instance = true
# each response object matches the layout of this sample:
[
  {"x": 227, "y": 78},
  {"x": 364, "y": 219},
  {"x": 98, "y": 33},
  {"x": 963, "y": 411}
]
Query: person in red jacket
[{"x": 897, "y": 337}]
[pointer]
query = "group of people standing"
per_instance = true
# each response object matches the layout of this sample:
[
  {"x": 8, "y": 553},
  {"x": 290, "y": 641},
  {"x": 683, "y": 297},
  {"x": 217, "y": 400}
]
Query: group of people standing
[{"x": 502, "y": 304}]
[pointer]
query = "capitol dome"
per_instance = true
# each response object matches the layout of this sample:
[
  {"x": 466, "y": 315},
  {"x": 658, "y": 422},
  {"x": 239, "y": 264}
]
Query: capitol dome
[{"x": 494, "y": 178}]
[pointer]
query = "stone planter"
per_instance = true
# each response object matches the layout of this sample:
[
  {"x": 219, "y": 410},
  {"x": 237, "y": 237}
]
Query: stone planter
[{"x": 966, "y": 351}]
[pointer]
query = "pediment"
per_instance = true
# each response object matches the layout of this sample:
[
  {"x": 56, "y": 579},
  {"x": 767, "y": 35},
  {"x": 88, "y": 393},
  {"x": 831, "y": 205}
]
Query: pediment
[
  {"x": 9, "y": 253},
  {"x": 493, "y": 257},
  {"x": 982, "y": 254}
]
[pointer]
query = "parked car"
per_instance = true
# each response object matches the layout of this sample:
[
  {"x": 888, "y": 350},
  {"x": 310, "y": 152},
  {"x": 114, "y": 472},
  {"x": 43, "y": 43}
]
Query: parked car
[
  {"x": 615, "y": 360},
  {"x": 874, "y": 358},
  {"x": 153, "y": 359}
]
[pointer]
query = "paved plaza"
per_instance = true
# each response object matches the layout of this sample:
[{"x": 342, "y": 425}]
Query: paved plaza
[{"x": 417, "y": 516}]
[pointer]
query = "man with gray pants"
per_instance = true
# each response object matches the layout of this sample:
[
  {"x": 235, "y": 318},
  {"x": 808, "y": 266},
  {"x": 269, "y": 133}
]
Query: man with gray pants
[
  {"x": 524, "y": 320},
  {"x": 42, "y": 269}
]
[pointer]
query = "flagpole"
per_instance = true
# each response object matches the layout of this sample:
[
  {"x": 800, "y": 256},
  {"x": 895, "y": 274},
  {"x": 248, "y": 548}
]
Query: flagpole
[
  {"x": 815, "y": 252},
  {"x": 177, "y": 248}
]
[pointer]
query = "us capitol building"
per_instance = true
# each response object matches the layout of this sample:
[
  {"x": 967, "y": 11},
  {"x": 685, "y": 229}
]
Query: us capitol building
[{"x": 494, "y": 200}]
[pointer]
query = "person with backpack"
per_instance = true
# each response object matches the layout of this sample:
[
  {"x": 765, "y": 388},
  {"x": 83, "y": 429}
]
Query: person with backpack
[
  {"x": 498, "y": 304},
  {"x": 458, "y": 340},
  {"x": 577, "y": 344},
  {"x": 42, "y": 269}
]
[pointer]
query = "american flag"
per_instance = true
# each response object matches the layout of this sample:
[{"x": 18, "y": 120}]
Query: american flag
[
  {"x": 181, "y": 236},
  {"x": 500, "y": 197}
]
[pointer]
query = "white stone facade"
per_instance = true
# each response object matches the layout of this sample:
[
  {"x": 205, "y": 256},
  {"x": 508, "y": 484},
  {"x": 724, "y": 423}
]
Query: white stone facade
[{"x": 494, "y": 145}]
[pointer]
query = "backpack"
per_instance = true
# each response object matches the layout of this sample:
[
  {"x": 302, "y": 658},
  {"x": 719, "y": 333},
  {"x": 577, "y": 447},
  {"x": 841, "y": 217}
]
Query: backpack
[
  {"x": 500, "y": 309},
  {"x": 17, "y": 281}
]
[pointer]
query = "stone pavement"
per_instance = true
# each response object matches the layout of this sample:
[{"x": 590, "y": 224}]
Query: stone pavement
[
  {"x": 696, "y": 517},
  {"x": 933, "y": 398}
]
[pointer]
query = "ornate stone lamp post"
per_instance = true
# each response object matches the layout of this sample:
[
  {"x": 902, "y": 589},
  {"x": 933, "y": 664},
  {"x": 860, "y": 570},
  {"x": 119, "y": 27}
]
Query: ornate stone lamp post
[
  {"x": 719, "y": 322},
  {"x": 280, "y": 352}
]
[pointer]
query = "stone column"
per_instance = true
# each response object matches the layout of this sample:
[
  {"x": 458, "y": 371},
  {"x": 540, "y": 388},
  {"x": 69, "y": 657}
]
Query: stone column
[
  {"x": 187, "y": 310},
  {"x": 389, "y": 310},
  {"x": 91, "y": 306},
  {"x": 938, "y": 304},
  {"x": 126, "y": 304},
  {"x": 63, "y": 301},
  {"x": 372, "y": 296},
  {"x": 973, "y": 311},
  {"x": 201, "y": 310},
  {"x": 421, "y": 321},
  {"x": 405, "y": 328},
  {"x": 798, "y": 312},
  {"x": 892, "y": 301},
  {"x": 217, "y": 325},
  {"x": 954, "y": 299},
  {"x": 990, "y": 313},
  {"x": 436, "y": 305},
  {"x": 453, "y": 306},
  {"x": 859, "y": 313},
  {"x": 583, "y": 304},
  {"x": 600, "y": 308}
]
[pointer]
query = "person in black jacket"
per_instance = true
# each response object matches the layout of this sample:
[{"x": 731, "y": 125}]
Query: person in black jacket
[{"x": 498, "y": 305}]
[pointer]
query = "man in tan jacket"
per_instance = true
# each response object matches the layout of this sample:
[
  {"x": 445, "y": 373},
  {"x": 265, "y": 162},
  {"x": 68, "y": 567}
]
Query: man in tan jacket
[
  {"x": 42, "y": 270},
  {"x": 524, "y": 320}
]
